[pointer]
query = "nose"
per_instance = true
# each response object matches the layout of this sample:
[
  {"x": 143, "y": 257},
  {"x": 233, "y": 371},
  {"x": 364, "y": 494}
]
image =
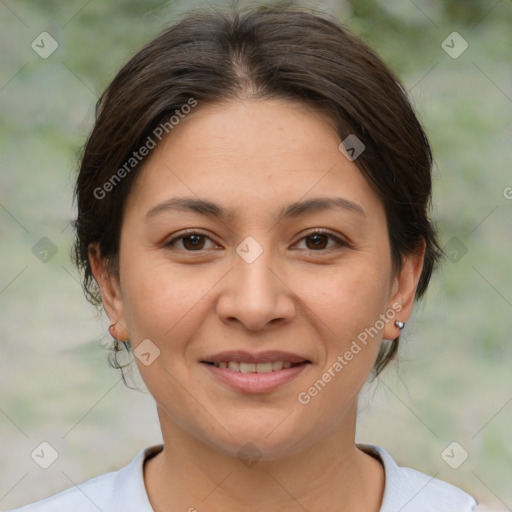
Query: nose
[{"x": 256, "y": 293}]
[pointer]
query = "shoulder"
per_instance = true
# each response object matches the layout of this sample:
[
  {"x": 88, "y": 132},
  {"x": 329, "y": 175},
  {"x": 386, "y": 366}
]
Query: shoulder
[
  {"x": 121, "y": 491},
  {"x": 409, "y": 490}
]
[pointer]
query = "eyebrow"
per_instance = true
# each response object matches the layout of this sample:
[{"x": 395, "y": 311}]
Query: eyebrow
[{"x": 293, "y": 210}]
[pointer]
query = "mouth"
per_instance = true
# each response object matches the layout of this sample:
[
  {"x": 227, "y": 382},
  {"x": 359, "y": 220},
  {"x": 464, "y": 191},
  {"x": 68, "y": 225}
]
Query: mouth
[
  {"x": 244, "y": 367},
  {"x": 255, "y": 373}
]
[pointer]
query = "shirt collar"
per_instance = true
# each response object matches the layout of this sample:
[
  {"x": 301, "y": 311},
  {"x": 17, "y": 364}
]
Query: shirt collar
[{"x": 405, "y": 490}]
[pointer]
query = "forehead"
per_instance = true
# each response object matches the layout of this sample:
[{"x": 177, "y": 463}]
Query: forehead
[{"x": 251, "y": 155}]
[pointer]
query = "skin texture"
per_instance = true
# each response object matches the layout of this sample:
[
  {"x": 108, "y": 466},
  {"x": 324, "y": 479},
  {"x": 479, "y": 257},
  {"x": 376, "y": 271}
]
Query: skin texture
[{"x": 255, "y": 157}]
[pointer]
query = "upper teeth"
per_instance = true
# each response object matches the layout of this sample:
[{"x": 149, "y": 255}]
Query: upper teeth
[{"x": 254, "y": 367}]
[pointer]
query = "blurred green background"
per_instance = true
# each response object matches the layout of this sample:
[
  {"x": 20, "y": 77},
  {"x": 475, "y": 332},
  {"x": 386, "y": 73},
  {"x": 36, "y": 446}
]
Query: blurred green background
[{"x": 453, "y": 380}]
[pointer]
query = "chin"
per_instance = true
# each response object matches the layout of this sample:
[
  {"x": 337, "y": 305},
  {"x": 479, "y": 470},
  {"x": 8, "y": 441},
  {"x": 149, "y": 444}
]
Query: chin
[{"x": 259, "y": 442}]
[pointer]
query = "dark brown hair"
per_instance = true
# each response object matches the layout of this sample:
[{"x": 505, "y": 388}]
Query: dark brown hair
[{"x": 267, "y": 52}]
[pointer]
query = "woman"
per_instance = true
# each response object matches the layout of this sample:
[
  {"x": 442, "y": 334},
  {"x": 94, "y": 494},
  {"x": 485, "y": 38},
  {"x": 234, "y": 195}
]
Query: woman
[{"x": 253, "y": 217}]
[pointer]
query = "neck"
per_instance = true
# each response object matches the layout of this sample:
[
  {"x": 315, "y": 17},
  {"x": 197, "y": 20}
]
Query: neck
[{"x": 191, "y": 475}]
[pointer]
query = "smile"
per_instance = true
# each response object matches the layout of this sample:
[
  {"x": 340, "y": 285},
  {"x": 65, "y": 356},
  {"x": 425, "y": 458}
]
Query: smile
[
  {"x": 243, "y": 367},
  {"x": 254, "y": 373}
]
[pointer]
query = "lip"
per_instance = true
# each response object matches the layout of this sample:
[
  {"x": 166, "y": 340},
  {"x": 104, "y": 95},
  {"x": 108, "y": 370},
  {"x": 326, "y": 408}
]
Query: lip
[
  {"x": 254, "y": 383},
  {"x": 242, "y": 356}
]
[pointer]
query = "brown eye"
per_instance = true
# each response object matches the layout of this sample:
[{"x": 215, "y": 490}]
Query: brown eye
[
  {"x": 191, "y": 242},
  {"x": 319, "y": 240}
]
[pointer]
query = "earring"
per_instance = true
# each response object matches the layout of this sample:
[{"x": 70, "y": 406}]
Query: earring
[{"x": 399, "y": 324}]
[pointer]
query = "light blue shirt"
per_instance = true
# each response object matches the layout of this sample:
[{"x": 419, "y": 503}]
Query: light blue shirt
[{"x": 406, "y": 490}]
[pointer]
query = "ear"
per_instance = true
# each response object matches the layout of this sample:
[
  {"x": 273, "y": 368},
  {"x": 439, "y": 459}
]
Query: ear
[
  {"x": 110, "y": 292},
  {"x": 403, "y": 290}
]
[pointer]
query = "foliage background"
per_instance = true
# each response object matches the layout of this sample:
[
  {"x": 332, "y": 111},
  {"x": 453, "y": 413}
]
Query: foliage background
[{"x": 453, "y": 381}]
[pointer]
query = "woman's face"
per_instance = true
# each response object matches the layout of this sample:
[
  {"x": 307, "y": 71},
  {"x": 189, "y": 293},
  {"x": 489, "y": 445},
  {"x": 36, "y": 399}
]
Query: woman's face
[{"x": 251, "y": 280}]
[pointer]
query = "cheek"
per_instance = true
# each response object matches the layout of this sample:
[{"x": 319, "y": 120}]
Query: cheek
[
  {"x": 345, "y": 305},
  {"x": 350, "y": 296},
  {"x": 348, "y": 302},
  {"x": 163, "y": 301}
]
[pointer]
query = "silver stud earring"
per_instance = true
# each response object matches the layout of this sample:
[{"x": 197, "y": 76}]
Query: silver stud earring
[{"x": 399, "y": 324}]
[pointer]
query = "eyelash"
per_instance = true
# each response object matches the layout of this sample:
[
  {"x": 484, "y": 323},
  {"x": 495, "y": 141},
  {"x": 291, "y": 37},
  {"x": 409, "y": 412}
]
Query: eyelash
[{"x": 339, "y": 243}]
